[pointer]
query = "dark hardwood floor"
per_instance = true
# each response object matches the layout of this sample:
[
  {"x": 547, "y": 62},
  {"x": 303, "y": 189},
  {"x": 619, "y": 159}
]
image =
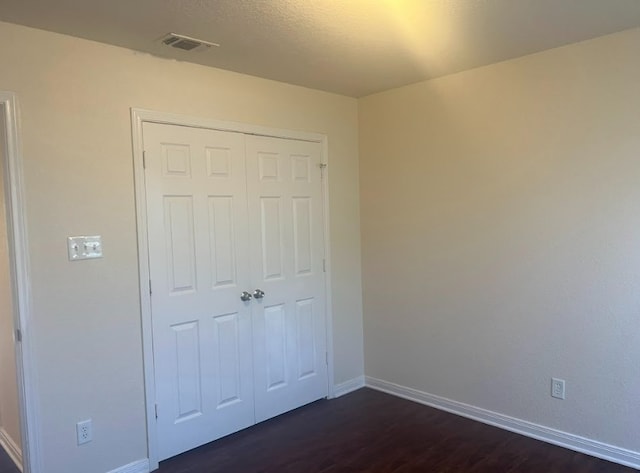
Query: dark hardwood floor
[
  {"x": 369, "y": 431},
  {"x": 6, "y": 464}
]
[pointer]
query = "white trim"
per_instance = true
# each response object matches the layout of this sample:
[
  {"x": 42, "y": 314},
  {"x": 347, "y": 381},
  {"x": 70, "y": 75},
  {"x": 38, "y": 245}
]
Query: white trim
[
  {"x": 140, "y": 466},
  {"x": 12, "y": 449},
  {"x": 348, "y": 386},
  {"x": 138, "y": 117},
  {"x": 145, "y": 298},
  {"x": 327, "y": 268},
  {"x": 19, "y": 254},
  {"x": 529, "y": 429}
]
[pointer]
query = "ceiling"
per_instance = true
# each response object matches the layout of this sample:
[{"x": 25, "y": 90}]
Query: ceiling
[{"x": 350, "y": 47}]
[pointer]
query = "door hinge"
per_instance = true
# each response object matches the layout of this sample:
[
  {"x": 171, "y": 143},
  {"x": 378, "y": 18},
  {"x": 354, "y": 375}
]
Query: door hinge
[
  {"x": 144, "y": 160},
  {"x": 18, "y": 335},
  {"x": 322, "y": 166},
  {"x": 150, "y": 291},
  {"x": 324, "y": 265},
  {"x": 156, "y": 410}
]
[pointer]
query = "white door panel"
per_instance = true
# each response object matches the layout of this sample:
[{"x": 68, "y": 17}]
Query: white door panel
[
  {"x": 287, "y": 250},
  {"x": 197, "y": 222}
]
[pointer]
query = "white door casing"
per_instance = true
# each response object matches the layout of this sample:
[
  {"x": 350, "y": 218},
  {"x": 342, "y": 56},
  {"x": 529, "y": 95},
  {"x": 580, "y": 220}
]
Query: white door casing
[{"x": 222, "y": 364}]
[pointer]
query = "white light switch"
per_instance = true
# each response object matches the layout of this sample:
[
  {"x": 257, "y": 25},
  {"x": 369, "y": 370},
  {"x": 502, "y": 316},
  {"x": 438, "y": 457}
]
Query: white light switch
[{"x": 84, "y": 247}]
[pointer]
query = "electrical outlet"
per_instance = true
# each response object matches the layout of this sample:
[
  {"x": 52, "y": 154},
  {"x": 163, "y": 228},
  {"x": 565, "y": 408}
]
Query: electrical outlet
[
  {"x": 84, "y": 431},
  {"x": 557, "y": 388}
]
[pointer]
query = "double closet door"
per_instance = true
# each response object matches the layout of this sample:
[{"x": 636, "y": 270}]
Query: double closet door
[{"x": 235, "y": 231}]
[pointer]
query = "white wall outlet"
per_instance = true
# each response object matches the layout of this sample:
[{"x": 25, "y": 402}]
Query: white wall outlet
[
  {"x": 84, "y": 247},
  {"x": 557, "y": 388},
  {"x": 84, "y": 431}
]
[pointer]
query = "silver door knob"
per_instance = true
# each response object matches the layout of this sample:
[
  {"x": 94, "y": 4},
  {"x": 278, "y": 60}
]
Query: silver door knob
[
  {"x": 258, "y": 293},
  {"x": 245, "y": 296}
]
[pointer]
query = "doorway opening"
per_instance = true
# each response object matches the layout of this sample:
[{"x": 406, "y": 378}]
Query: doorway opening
[
  {"x": 18, "y": 440},
  {"x": 10, "y": 436}
]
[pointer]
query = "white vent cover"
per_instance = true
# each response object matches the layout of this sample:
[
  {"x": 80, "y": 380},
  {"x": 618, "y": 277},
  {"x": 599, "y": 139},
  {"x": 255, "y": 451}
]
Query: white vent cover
[{"x": 186, "y": 43}]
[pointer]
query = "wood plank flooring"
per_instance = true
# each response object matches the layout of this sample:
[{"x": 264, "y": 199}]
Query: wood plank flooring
[
  {"x": 372, "y": 432},
  {"x": 6, "y": 463}
]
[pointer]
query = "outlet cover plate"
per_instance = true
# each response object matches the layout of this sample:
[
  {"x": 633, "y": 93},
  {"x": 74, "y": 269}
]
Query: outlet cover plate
[
  {"x": 557, "y": 388},
  {"x": 84, "y": 431}
]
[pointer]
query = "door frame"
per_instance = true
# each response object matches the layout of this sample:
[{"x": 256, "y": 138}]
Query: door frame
[
  {"x": 14, "y": 196},
  {"x": 140, "y": 116}
]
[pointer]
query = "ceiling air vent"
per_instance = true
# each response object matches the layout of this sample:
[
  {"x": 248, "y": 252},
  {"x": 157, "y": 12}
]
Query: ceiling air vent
[{"x": 186, "y": 43}]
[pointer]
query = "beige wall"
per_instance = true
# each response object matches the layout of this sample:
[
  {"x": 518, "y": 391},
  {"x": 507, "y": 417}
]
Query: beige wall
[
  {"x": 9, "y": 410},
  {"x": 501, "y": 237},
  {"x": 74, "y": 97}
]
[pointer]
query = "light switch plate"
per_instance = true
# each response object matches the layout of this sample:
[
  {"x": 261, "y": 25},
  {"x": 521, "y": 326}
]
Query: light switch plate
[{"x": 84, "y": 247}]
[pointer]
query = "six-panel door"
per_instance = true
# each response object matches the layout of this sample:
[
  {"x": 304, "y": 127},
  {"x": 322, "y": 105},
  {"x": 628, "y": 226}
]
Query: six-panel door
[
  {"x": 287, "y": 251},
  {"x": 202, "y": 336}
]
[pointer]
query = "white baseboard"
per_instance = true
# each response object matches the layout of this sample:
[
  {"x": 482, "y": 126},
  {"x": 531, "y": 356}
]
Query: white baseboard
[
  {"x": 348, "y": 386},
  {"x": 140, "y": 466},
  {"x": 546, "y": 434},
  {"x": 12, "y": 449}
]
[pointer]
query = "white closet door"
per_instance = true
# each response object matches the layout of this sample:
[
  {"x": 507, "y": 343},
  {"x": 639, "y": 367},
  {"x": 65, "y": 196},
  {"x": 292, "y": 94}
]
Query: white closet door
[
  {"x": 202, "y": 341},
  {"x": 287, "y": 251}
]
